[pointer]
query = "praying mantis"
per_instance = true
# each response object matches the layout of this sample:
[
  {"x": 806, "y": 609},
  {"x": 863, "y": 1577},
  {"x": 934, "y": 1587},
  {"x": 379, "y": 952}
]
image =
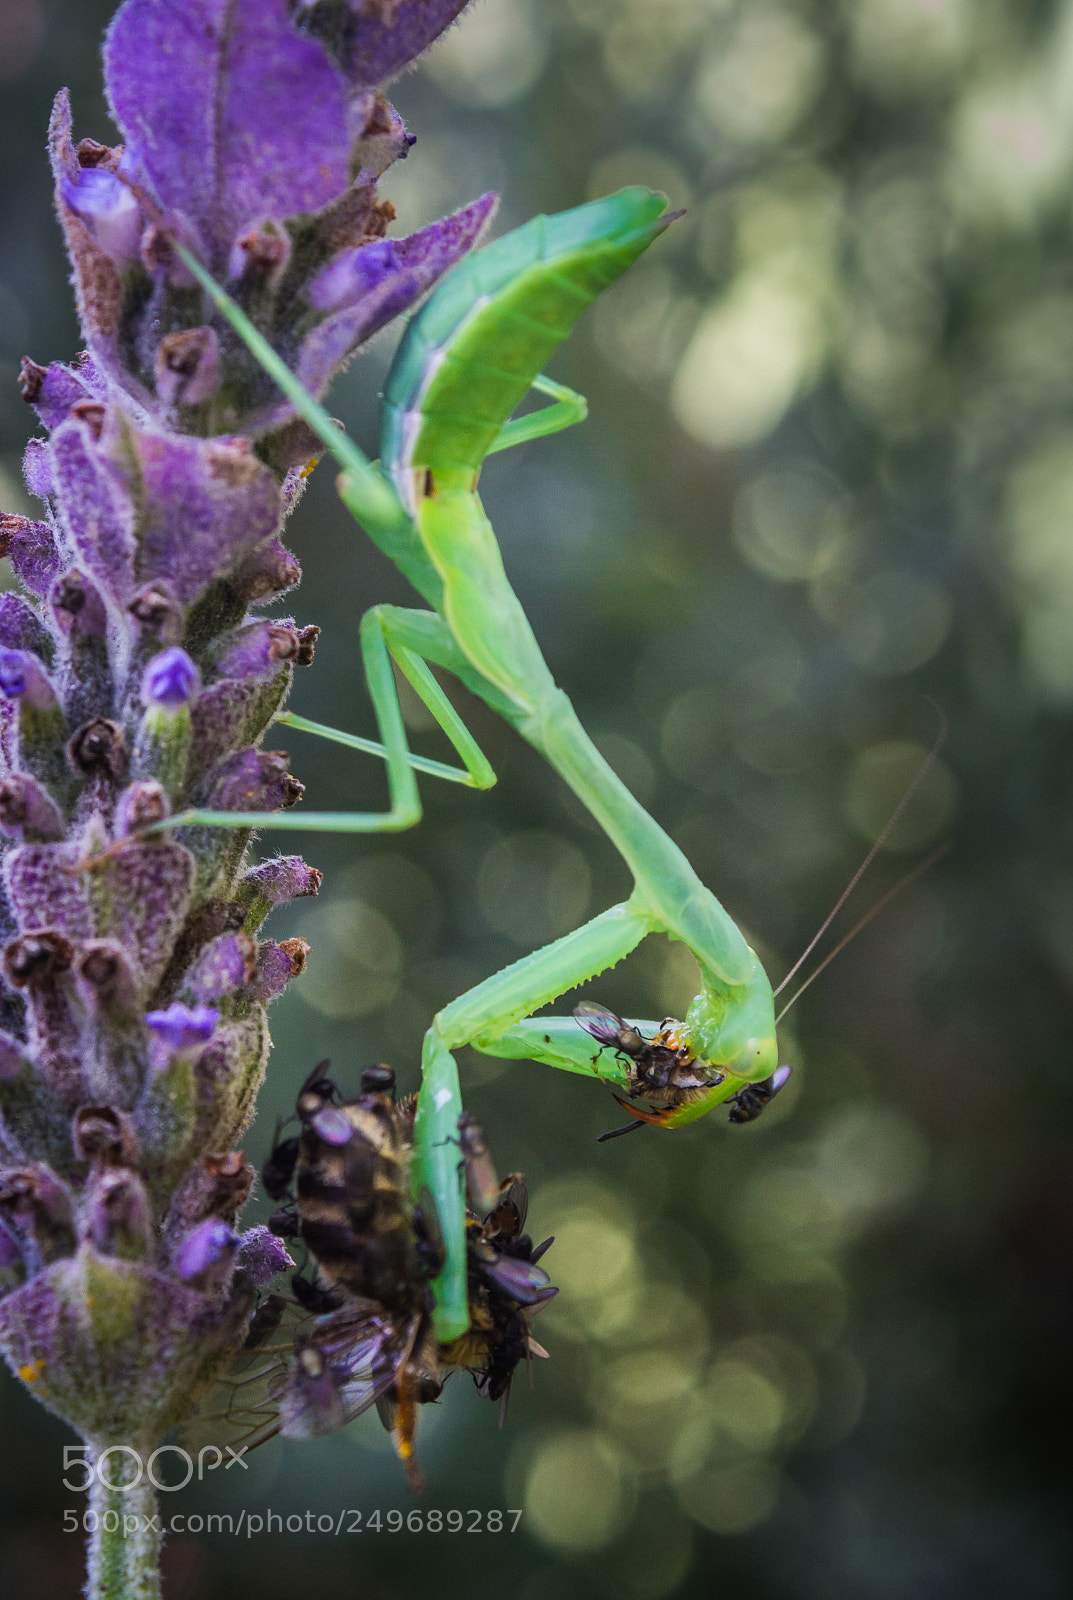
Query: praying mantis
[{"x": 467, "y": 359}]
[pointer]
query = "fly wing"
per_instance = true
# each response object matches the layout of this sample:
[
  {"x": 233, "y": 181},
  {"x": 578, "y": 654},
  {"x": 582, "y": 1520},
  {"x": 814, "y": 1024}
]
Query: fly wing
[
  {"x": 519, "y": 1280},
  {"x": 604, "y": 1026},
  {"x": 482, "y": 1181},
  {"x": 341, "y": 1366},
  {"x": 507, "y": 1216}
]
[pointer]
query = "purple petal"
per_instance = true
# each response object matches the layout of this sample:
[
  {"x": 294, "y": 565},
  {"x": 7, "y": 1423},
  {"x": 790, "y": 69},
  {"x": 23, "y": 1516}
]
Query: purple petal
[
  {"x": 12, "y": 674},
  {"x": 182, "y": 1027},
  {"x": 207, "y": 504},
  {"x": 271, "y": 570},
  {"x": 27, "y": 809},
  {"x": 254, "y": 780},
  {"x": 98, "y": 285},
  {"x": 78, "y": 607},
  {"x": 143, "y": 894},
  {"x": 55, "y": 389},
  {"x": 170, "y": 679},
  {"x": 229, "y": 714},
  {"x": 346, "y": 279},
  {"x": 37, "y": 469},
  {"x": 21, "y": 628},
  {"x": 109, "y": 210},
  {"x": 257, "y": 648},
  {"x": 31, "y": 547},
  {"x": 232, "y": 114},
  {"x": 22, "y": 677},
  {"x": 417, "y": 262},
  {"x": 385, "y": 35},
  {"x": 93, "y": 502},
  {"x": 45, "y": 892}
]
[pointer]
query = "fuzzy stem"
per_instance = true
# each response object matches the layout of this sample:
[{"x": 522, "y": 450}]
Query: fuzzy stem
[{"x": 123, "y": 1555}]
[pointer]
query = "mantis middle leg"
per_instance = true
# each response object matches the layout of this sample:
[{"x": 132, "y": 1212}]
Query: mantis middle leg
[{"x": 387, "y": 634}]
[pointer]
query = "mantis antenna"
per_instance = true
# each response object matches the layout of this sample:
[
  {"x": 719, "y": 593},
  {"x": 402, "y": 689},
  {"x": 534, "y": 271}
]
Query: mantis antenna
[{"x": 914, "y": 784}]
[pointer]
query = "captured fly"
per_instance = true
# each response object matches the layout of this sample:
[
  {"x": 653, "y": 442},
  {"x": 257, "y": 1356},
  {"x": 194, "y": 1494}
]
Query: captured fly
[{"x": 665, "y": 1076}]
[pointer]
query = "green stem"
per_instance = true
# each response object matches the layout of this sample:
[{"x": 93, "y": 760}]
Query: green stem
[{"x": 123, "y": 1557}]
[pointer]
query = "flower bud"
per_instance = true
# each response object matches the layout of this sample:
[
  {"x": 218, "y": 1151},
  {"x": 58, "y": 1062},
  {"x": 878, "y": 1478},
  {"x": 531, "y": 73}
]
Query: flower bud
[
  {"x": 205, "y": 1257},
  {"x": 36, "y": 1207},
  {"x": 109, "y": 210},
  {"x": 23, "y": 678},
  {"x": 228, "y": 964},
  {"x": 170, "y": 680},
  {"x": 261, "y": 1257},
  {"x": 182, "y": 1029},
  {"x": 274, "y": 883},
  {"x": 103, "y": 1135},
  {"x": 104, "y": 978},
  {"x": 139, "y": 807},
  {"x": 170, "y": 684}
]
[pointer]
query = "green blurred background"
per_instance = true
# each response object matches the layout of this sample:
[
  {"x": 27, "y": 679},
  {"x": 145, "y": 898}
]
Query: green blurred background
[{"x": 827, "y": 483}]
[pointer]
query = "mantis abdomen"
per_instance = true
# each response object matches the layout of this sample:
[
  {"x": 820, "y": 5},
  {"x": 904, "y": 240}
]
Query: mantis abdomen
[{"x": 471, "y": 355}]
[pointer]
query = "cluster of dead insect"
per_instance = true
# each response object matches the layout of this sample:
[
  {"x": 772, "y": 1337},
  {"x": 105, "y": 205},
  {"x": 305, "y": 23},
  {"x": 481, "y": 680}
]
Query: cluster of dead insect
[{"x": 368, "y": 1335}]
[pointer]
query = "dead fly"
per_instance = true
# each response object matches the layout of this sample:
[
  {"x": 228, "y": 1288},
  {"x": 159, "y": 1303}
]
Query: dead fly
[
  {"x": 505, "y": 1286},
  {"x": 748, "y": 1103},
  {"x": 344, "y": 1181}
]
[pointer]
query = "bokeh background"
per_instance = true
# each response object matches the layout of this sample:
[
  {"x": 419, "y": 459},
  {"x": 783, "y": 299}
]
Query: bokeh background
[{"x": 826, "y": 487}]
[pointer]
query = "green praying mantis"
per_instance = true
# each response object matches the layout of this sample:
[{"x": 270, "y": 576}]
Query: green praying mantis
[{"x": 467, "y": 359}]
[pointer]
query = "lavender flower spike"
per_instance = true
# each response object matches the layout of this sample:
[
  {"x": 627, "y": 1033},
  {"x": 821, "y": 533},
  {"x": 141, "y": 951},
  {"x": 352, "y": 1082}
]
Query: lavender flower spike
[
  {"x": 136, "y": 680},
  {"x": 244, "y": 122}
]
